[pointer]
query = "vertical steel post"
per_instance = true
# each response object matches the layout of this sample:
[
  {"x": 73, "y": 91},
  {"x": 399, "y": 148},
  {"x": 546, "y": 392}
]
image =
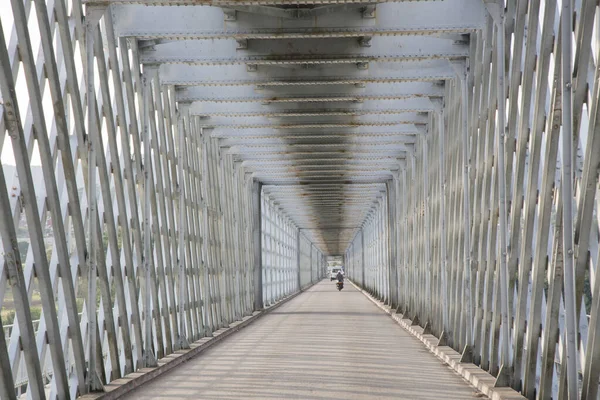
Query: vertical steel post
[
  {"x": 466, "y": 209},
  {"x": 428, "y": 272},
  {"x": 399, "y": 239},
  {"x": 257, "y": 245},
  {"x": 567, "y": 191},
  {"x": 298, "y": 259},
  {"x": 392, "y": 249},
  {"x": 500, "y": 137},
  {"x": 362, "y": 255},
  {"x": 183, "y": 342},
  {"x": 405, "y": 242},
  {"x": 312, "y": 279},
  {"x": 443, "y": 231},
  {"x": 149, "y": 358},
  {"x": 91, "y": 24}
]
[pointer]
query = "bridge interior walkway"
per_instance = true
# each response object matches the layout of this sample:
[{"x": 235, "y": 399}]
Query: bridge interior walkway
[
  {"x": 322, "y": 344},
  {"x": 169, "y": 167}
]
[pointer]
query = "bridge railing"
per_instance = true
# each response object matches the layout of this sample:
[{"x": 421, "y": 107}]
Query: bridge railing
[
  {"x": 480, "y": 248},
  {"x": 132, "y": 211}
]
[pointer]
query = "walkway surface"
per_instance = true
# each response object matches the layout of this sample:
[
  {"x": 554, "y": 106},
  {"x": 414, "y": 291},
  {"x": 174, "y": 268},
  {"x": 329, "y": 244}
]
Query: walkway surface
[{"x": 323, "y": 344}]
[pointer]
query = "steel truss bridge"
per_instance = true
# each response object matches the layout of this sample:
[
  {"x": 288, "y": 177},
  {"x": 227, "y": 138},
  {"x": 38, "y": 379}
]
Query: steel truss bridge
[{"x": 170, "y": 167}]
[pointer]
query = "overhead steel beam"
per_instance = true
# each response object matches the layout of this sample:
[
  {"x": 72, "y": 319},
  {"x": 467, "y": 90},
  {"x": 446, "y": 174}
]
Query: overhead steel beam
[
  {"x": 133, "y": 18},
  {"x": 309, "y": 51},
  {"x": 316, "y": 140},
  {"x": 392, "y": 162},
  {"x": 250, "y": 130},
  {"x": 314, "y": 191},
  {"x": 316, "y": 109},
  {"x": 201, "y": 95},
  {"x": 238, "y": 74},
  {"x": 401, "y": 118},
  {"x": 322, "y": 148}
]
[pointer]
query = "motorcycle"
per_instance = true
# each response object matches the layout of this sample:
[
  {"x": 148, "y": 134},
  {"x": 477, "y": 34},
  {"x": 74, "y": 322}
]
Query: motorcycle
[{"x": 339, "y": 285}]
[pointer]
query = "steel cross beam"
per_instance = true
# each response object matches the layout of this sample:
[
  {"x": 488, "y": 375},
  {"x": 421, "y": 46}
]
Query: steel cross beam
[
  {"x": 402, "y": 117},
  {"x": 212, "y": 98},
  {"x": 342, "y": 74},
  {"x": 198, "y": 22},
  {"x": 303, "y": 51}
]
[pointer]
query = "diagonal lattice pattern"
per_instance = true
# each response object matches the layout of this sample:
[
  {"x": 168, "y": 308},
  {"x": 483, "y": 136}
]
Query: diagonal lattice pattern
[{"x": 170, "y": 166}]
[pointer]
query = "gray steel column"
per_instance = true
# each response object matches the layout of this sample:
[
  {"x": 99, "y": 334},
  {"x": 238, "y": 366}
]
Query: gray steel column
[
  {"x": 183, "y": 342},
  {"x": 91, "y": 24},
  {"x": 443, "y": 231},
  {"x": 311, "y": 263},
  {"x": 362, "y": 255},
  {"x": 392, "y": 248},
  {"x": 149, "y": 357},
  {"x": 257, "y": 234},
  {"x": 498, "y": 15},
  {"x": 428, "y": 269},
  {"x": 466, "y": 211},
  {"x": 462, "y": 71},
  {"x": 298, "y": 259},
  {"x": 567, "y": 191}
]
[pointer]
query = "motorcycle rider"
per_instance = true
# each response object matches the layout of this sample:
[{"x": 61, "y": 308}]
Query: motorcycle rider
[{"x": 340, "y": 277}]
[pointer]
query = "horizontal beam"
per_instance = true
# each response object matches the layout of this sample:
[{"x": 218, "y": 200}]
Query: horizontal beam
[
  {"x": 134, "y": 18},
  {"x": 303, "y": 51},
  {"x": 225, "y": 130},
  {"x": 400, "y": 118},
  {"x": 202, "y": 97},
  {"x": 321, "y": 148},
  {"x": 316, "y": 140},
  {"x": 391, "y": 161},
  {"x": 313, "y": 181},
  {"x": 343, "y": 74}
]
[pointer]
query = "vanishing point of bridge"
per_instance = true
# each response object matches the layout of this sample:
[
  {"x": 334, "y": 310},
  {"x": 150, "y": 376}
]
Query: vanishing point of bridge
[{"x": 173, "y": 170}]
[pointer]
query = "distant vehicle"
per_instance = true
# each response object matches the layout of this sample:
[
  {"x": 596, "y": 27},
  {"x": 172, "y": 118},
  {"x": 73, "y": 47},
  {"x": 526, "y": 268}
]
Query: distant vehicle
[{"x": 334, "y": 272}]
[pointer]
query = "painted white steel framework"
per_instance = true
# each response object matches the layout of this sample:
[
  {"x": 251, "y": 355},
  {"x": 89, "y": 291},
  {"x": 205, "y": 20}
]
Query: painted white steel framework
[{"x": 170, "y": 166}]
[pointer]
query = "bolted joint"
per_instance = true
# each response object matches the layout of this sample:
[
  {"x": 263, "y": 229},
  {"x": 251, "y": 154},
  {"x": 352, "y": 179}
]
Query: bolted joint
[
  {"x": 364, "y": 41},
  {"x": 242, "y": 44},
  {"x": 229, "y": 14}
]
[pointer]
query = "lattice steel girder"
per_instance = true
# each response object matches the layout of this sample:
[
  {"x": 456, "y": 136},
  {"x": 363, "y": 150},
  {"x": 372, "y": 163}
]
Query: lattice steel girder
[
  {"x": 302, "y": 181},
  {"x": 325, "y": 199},
  {"x": 318, "y": 174},
  {"x": 298, "y": 192},
  {"x": 409, "y": 116},
  {"x": 375, "y": 177},
  {"x": 323, "y": 173},
  {"x": 339, "y": 200},
  {"x": 325, "y": 187},
  {"x": 356, "y": 133},
  {"x": 321, "y": 109},
  {"x": 206, "y": 99},
  {"x": 312, "y": 151},
  {"x": 317, "y": 140},
  {"x": 252, "y": 130},
  {"x": 347, "y": 147},
  {"x": 238, "y": 74},
  {"x": 199, "y": 22},
  {"x": 303, "y": 51},
  {"x": 304, "y": 193},
  {"x": 333, "y": 215},
  {"x": 391, "y": 163},
  {"x": 332, "y": 205}
]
